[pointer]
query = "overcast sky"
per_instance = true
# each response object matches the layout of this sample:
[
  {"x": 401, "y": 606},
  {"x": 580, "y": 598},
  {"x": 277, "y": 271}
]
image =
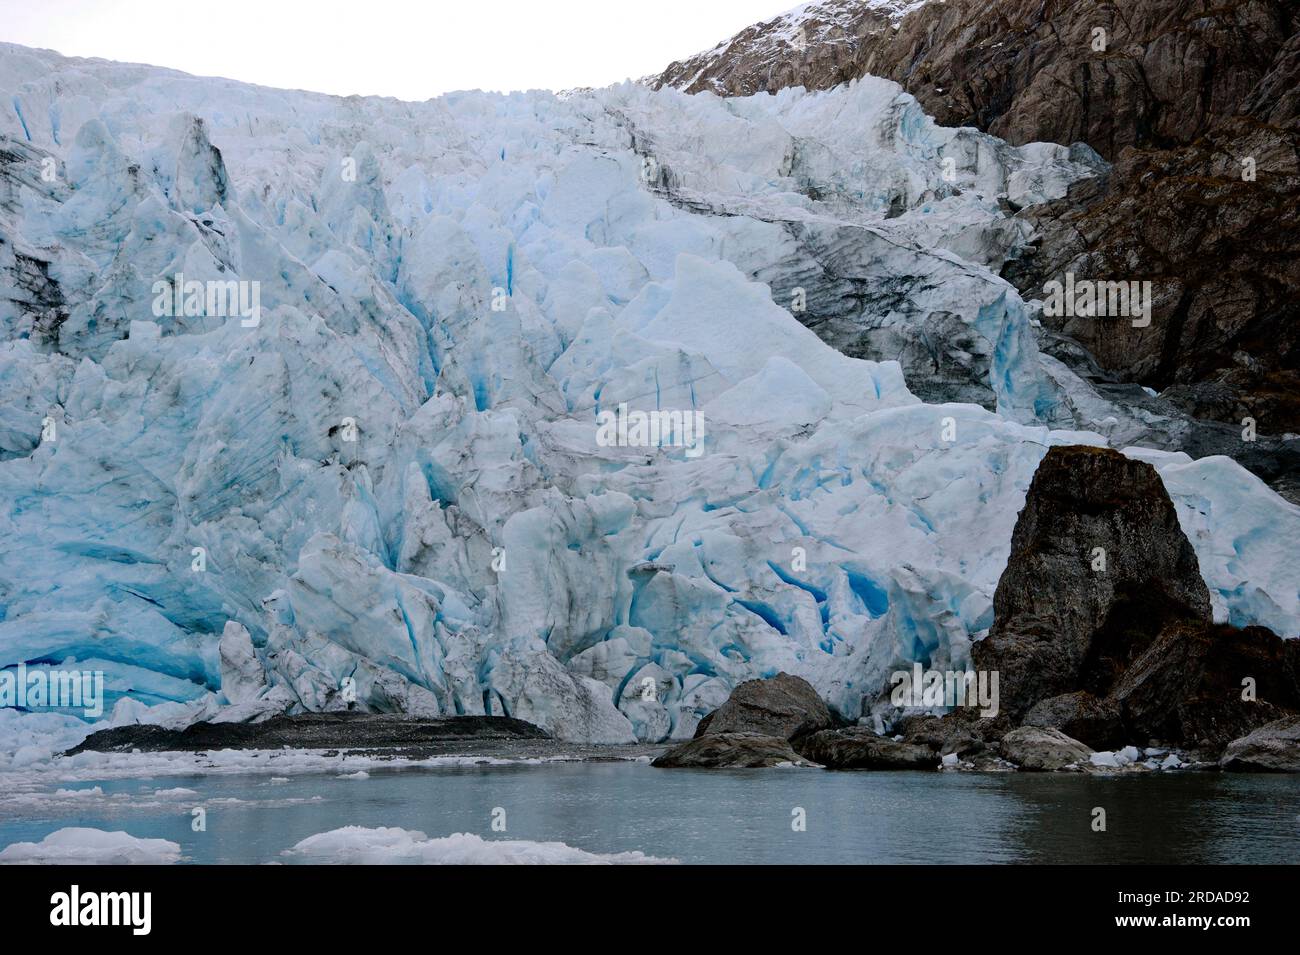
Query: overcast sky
[{"x": 411, "y": 50}]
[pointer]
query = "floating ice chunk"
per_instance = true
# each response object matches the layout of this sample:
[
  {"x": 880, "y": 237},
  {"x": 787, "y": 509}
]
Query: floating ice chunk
[
  {"x": 82, "y": 846},
  {"x": 356, "y": 845},
  {"x": 29, "y": 738}
]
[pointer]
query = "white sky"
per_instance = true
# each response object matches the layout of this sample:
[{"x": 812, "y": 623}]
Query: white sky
[{"x": 412, "y": 50}]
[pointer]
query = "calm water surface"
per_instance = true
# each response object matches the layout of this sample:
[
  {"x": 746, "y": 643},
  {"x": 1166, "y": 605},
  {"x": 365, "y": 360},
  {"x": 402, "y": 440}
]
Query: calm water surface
[{"x": 731, "y": 816}]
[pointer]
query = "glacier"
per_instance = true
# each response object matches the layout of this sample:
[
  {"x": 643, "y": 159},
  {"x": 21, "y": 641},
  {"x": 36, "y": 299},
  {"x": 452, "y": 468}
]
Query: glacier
[{"x": 384, "y": 490}]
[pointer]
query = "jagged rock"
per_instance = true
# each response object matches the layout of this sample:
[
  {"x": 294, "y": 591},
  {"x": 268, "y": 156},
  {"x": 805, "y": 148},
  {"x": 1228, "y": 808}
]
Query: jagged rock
[
  {"x": 1059, "y": 625},
  {"x": 1038, "y": 748},
  {"x": 785, "y": 707},
  {"x": 1102, "y": 624},
  {"x": 963, "y": 737},
  {"x": 1223, "y": 336},
  {"x": 730, "y": 751},
  {"x": 1021, "y": 69},
  {"x": 1273, "y": 748},
  {"x": 1082, "y": 716},
  {"x": 1188, "y": 685},
  {"x": 812, "y": 47},
  {"x": 857, "y": 747}
]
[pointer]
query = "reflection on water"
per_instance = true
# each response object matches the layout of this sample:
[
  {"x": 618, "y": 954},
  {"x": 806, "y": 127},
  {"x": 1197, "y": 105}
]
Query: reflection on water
[{"x": 732, "y": 816}]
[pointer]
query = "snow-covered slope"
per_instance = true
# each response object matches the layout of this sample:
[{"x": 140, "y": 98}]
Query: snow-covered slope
[
  {"x": 393, "y": 479},
  {"x": 809, "y": 45}
]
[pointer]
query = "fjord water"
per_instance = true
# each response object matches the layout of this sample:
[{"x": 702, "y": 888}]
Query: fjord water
[{"x": 738, "y": 817}]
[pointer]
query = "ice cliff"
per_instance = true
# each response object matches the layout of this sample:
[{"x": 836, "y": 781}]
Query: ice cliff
[{"x": 384, "y": 488}]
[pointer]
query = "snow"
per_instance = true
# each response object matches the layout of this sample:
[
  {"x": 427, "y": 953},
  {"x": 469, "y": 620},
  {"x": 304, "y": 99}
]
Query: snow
[
  {"x": 356, "y": 845},
  {"x": 392, "y": 477},
  {"x": 787, "y": 25},
  {"x": 83, "y": 846}
]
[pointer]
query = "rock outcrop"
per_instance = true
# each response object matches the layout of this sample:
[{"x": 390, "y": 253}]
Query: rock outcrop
[
  {"x": 756, "y": 726},
  {"x": 1102, "y": 627},
  {"x": 1273, "y": 748},
  {"x": 1024, "y": 70},
  {"x": 1103, "y": 640},
  {"x": 1038, "y": 749},
  {"x": 816, "y": 46},
  {"x": 963, "y": 738},
  {"x": 730, "y": 751},
  {"x": 1207, "y": 685},
  {"x": 1096, "y": 722},
  {"x": 1223, "y": 256},
  {"x": 1098, "y": 562},
  {"x": 785, "y": 706},
  {"x": 858, "y": 747}
]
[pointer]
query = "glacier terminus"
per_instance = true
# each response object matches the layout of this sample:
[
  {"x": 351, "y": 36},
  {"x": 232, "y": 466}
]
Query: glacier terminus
[{"x": 577, "y": 408}]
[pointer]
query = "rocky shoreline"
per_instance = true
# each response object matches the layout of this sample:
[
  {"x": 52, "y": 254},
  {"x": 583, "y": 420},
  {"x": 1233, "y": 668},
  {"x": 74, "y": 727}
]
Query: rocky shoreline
[{"x": 947, "y": 743}]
